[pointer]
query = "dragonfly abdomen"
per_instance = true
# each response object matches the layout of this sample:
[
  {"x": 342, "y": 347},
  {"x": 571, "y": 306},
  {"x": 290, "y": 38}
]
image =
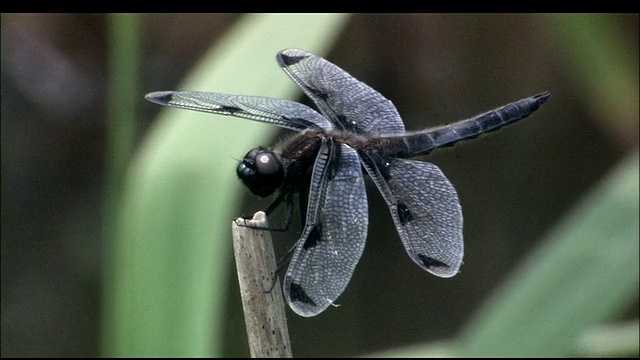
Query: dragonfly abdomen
[{"x": 423, "y": 142}]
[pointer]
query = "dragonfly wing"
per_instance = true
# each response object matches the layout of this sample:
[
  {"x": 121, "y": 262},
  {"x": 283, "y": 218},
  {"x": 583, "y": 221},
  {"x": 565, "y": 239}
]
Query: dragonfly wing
[
  {"x": 425, "y": 209},
  {"x": 349, "y": 103},
  {"x": 334, "y": 235},
  {"x": 283, "y": 113}
]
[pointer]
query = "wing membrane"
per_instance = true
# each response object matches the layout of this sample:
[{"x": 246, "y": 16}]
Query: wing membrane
[
  {"x": 425, "y": 209},
  {"x": 349, "y": 103},
  {"x": 334, "y": 235},
  {"x": 283, "y": 113}
]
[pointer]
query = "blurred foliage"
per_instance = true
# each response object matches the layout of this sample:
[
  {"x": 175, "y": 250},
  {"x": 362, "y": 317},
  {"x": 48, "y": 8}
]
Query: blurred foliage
[
  {"x": 609, "y": 79},
  {"x": 584, "y": 273}
]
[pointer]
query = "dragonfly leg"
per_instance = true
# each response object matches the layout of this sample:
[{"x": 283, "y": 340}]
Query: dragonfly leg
[
  {"x": 284, "y": 261},
  {"x": 285, "y": 196}
]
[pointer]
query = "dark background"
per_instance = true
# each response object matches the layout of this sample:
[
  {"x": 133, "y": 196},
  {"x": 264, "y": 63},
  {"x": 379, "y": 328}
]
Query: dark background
[{"x": 514, "y": 185}]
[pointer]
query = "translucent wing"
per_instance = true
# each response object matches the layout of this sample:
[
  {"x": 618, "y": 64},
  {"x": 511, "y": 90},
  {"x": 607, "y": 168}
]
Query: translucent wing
[
  {"x": 283, "y": 113},
  {"x": 347, "y": 102},
  {"x": 425, "y": 209},
  {"x": 334, "y": 235}
]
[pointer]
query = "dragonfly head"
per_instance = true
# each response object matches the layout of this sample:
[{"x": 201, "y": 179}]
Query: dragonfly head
[{"x": 261, "y": 171}]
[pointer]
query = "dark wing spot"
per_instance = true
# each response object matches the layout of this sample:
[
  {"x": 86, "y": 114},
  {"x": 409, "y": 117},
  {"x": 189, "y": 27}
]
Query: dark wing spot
[
  {"x": 430, "y": 262},
  {"x": 300, "y": 122},
  {"x": 286, "y": 60},
  {"x": 297, "y": 294},
  {"x": 322, "y": 95},
  {"x": 404, "y": 214},
  {"x": 160, "y": 97},
  {"x": 314, "y": 237},
  {"x": 230, "y": 109}
]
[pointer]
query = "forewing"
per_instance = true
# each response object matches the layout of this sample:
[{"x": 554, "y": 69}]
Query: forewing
[
  {"x": 349, "y": 103},
  {"x": 283, "y": 113},
  {"x": 425, "y": 209},
  {"x": 334, "y": 235}
]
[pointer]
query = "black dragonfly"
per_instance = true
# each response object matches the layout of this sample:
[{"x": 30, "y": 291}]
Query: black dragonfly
[{"x": 356, "y": 130}]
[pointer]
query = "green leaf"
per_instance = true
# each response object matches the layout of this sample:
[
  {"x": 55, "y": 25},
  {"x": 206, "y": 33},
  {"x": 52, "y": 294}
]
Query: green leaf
[{"x": 584, "y": 273}]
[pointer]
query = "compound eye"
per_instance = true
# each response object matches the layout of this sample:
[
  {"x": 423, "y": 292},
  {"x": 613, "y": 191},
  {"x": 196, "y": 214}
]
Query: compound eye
[
  {"x": 266, "y": 164},
  {"x": 261, "y": 171},
  {"x": 246, "y": 171}
]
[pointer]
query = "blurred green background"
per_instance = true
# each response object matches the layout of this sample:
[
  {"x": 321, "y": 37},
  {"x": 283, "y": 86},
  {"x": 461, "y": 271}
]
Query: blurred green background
[{"x": 116, "y": 213}]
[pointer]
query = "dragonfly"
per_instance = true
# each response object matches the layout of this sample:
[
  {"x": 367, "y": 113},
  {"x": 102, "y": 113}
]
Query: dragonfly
[{"x": 355, "y": 131}]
